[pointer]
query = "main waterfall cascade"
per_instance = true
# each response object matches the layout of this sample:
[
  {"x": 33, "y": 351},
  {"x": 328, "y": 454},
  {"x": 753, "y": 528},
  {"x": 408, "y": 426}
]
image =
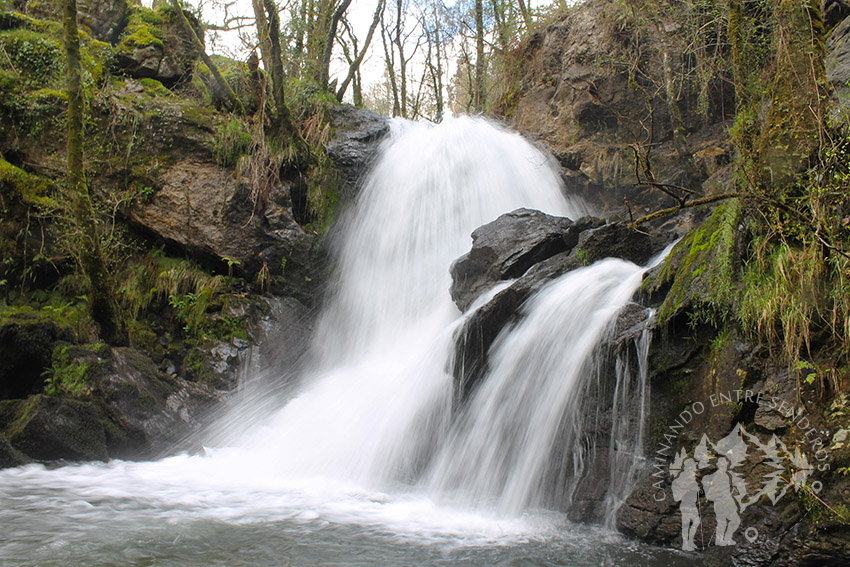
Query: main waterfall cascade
[{"x": 370, "y": 438}]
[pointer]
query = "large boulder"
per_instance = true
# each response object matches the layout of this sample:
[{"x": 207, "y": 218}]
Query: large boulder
[
  {"x": 154, "y": 411},
  {"x": 205, "y": 209},
  {"x": 9, "y": 457},
  {"x": 26, "y": 348},
  {"x": 105, "y": 19},
  {"x": 358, "y": 134},
  {"x": 186, "y": 194},
  {"x": 554, "y": 247},
  {"x": 155, "y": 44},
  {"x": 507, "y": 247},
  {"x": 52, "y": 428}
]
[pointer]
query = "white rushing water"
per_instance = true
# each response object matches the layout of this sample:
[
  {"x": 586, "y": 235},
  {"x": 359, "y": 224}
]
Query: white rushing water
[
  {"x": 500, "y": 446},
  {"x": 370, "y": 440},
  {"x": 382, "y": 394}
]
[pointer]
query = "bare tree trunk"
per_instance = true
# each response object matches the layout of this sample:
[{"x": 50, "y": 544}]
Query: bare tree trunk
[
  {"x": 435, "y": 70},
  {"x": 501, "y": 24},
  {"x": 298, "y": 36},
  {"x": 222, "y": 88},
  {"x": 479, "y": 101},
  {"x": 358, "y": 90},
  {"x": 526, "y": 17},
  {"x": 325, "y": 64},
  {"x": 262, "y": 32},
  {"x": 439, "y": 48},
  {"x": 91, "y": 256},
  {"x": 402, "y": 62},
  {"x": 354, "y": 66},
  {"x": 389, "y": 58}
]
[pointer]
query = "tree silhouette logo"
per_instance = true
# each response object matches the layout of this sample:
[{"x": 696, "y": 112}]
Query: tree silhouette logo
[{"x": 718, "y": 471}]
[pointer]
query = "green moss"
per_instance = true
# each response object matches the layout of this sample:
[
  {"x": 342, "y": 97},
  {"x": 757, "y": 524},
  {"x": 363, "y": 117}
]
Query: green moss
[
  {"x": 702, "y": 269},
  {"x": 144, "y": 29},
  {"x": 153, "y": 87},
  {"x": 198, "y": 115},
  {"x": 10, "y": 20},
  {"x": 224, "y": 328},
  {"x": 141, "y": 336},
  {"x": 21, "y": 412},
  {"x": 72, "y": 318},
  {"x": 32, "y": 189},
  {"x": 97, "y": 57},
  {"x": 324, "y": 188}
]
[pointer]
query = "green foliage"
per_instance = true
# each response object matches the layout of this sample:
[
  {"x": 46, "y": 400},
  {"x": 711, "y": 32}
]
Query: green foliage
[
  {"x": 193, "y": 296},
  {"x": 824, "y": 515},
  {"x": 71, "y": 371},
  {"x": 159, "y": 278},
  {"x": 232, "y": 141},
  {"x": 581, "y": 256},
  {"x": 190, "y": 309},
  {"x": 35, "y": 56},
  {"x": 782, "y": 289}
]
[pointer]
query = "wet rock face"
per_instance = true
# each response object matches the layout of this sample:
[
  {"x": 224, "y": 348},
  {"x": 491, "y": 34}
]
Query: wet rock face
[
  {"x": 203, "y": 208},
  {"x": 505, "y": 249},
  {"x": 535, "y": 248},
  {"x": 48, "y": 428},
  {"x": 359, "y": 133},
  {"x": 105, "y": 403},
  {"x": 8, "y": 456}
]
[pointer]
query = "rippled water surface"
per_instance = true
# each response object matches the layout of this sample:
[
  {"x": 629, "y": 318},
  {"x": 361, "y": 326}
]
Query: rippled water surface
[{"x": 176, "y": 512}]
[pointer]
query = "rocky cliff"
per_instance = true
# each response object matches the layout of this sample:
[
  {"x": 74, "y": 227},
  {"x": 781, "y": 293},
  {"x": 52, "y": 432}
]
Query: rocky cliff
[
  {"x": 211, "y": 247},
  {"x": 593, "y": 90}
]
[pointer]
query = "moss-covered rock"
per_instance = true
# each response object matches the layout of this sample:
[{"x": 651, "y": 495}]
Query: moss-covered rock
[
  {"x": 104, "y": 19},
  {"x": 49, "y": 428},
  {"x": 155, "y": 45},
  {"x": 702, "y": 270}
]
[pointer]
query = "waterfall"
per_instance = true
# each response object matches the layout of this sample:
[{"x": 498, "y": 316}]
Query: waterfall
[
  {"x": 380, "y": 397},
  {"x": 498, "y": 451},
  {"x": 369, "y": 439},
  {"x": 628, "y": 420}
]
